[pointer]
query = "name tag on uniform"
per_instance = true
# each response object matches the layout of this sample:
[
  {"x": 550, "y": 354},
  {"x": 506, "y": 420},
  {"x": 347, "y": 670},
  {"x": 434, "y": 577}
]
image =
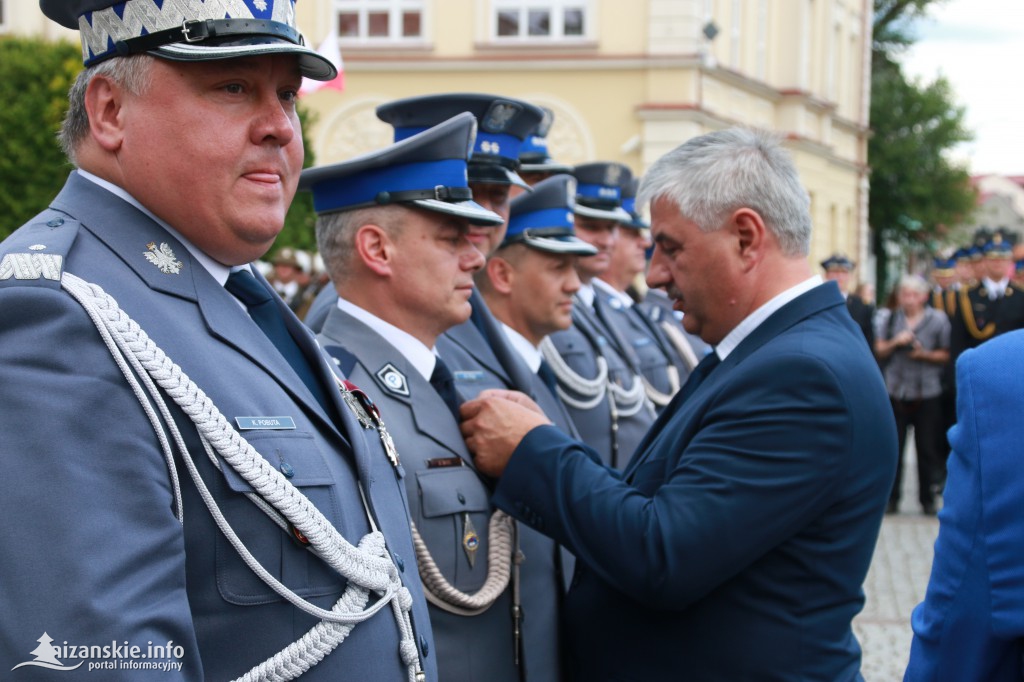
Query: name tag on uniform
[
  {"x": 264, "y": 423},
  {"x": 468, "y": 375}
]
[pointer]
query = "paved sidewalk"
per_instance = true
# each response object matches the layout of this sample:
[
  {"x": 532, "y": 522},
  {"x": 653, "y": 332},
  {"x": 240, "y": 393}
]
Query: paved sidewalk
[{"x": 895, "y": 584}]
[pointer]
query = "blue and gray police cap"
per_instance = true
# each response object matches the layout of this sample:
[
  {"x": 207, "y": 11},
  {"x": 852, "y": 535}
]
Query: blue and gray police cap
[
  {"x": 837, "y": 262},
  {"x": 944, "y": 267},
  {"x": 198, "y": 30},
  {"x": 997, "y": 249},
  {"x": 599, "y": 190},
  {"x": 427, "y": 170},
  {"x": 629, "y": 190},
  {"x": 543, "y": 219},
  {"x": 502, "y": 125},
  {"x": 534, "y": 156}
]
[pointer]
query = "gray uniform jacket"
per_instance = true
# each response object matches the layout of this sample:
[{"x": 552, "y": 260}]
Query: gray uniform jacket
[
  {"x": 444, "y": 489},
  {"x": 489, "y": 359},
  {"x": 653, "y": 355},
  {"x": 658, "y": 308},
  {"x": 614, "y": 438},
  {"x": 88, "y": 483}
]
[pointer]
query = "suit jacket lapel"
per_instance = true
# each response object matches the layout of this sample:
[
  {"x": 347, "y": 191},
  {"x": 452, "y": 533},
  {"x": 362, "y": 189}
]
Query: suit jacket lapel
[
  {"x": 603, "y": 317},
  {"x": 514, "y": 367},
  {"x": 809, "y": 303}
]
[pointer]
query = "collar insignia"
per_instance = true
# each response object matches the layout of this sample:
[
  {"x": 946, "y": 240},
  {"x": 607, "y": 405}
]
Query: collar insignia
[
  {"x": 392, "y": 380},
  {"x": 164, "y": 258}
]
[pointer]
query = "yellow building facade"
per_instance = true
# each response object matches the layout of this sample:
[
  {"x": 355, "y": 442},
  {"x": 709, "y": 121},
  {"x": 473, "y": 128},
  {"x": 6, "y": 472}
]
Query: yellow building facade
[{"x": 627, "y": 80}]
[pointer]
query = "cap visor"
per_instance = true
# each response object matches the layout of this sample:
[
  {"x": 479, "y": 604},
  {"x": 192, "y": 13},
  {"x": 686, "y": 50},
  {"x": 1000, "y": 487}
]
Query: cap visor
[
  {"x": 470, "y": 210},
  {"x": 545, "y": 168},
  {"x": 311, "y": 64},
  {"x": 618, "y": 214},
  {"x": 565, "y": 244},
  {"x": 495, "y": 174},
  {"x": 635, "y": 223}
]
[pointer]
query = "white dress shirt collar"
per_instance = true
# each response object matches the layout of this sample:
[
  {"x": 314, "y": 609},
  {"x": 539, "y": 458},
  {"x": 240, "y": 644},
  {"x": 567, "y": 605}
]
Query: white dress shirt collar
[
  {"x": 756, "y": 318},
  {"x": 586, "y": 295},
  {"x": 412, "y": 349},
  {"x": 626, "y": 299},
  {"x": 530, "y": 353}
]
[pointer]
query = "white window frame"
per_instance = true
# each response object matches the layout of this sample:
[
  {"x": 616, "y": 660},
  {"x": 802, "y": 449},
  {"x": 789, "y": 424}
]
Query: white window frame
[
  {"x": 557, "y": 13},
  {"x": 394, "y": 8}
]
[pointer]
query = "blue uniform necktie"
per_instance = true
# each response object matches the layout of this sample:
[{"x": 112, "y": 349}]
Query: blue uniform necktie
[
  {"x": 444, "y": 383},
  {"x": 547, "y": 375},
  {"x": 263, "y": 311}
]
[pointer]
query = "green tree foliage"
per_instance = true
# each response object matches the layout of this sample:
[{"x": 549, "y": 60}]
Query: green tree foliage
[
  {"x": 299, "y": 225},
  {"x": 916, "y": 190},
  {"x": 34, "y": 79}
]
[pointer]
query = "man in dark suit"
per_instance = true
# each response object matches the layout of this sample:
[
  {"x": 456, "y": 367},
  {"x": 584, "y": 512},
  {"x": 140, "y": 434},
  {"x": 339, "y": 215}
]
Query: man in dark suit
[
  {"x": 838, "y": 268},
  {"x": 735, "y": 543},
  {"x": 203, "y": 483}
]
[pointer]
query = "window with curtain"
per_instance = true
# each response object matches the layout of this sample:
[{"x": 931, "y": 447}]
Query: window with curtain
[
  {"x": 379, "y": 21},
  {"x": 555, "y": 20}
]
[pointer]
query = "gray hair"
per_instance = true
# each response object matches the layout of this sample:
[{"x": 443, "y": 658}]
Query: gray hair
[
  {"x": 131, "y": 73},
  {"x": 335, "y": 236},
  {"x": 915, "y": 282},
  {"x": 710, "y": 176}
]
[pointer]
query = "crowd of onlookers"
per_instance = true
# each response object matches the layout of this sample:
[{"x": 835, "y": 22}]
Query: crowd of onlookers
[{"x": 920, "y": 331}]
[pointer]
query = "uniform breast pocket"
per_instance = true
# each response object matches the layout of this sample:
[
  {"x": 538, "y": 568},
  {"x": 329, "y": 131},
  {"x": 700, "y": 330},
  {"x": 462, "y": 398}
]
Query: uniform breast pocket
[
  {"x": 454, "y": 511},
  {"x": 299, "y": 458}
]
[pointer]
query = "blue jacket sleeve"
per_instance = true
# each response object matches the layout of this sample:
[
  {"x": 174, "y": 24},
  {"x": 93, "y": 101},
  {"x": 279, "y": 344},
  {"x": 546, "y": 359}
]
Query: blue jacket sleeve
[
  {"x": 90, "y": 550},
  {"x": 744, "y": 473},
  {"x": 972, "y": 618}
]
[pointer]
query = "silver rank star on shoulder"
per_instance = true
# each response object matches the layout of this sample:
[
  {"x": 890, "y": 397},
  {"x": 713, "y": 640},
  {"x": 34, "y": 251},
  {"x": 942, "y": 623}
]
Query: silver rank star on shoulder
[{"x": 163, "y": 258}]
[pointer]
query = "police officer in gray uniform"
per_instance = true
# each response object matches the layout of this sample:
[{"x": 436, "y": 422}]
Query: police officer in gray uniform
[
  {"x": 531, "y": 279},
  {"x": 529, "y": 284},
  {"x": 596, "y": 369},
  {"x": 477, "y": 350},
  {"x": 393, "y": 227},
  {"x": 660, "y": 365},
  {"x": 193, "y": 482}
]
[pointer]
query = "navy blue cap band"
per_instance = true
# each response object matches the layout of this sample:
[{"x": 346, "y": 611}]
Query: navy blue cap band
[
  {"x": 543, "y": 219},
  {"x": 603, "y": 193},
  {"x": 487, "y": 147},
  {"x": 364, "y": 189}
]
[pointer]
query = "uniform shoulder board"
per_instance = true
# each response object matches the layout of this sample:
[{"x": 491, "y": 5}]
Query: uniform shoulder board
[
  {"x": 343, "y": 358},
  {"x": 36, "y": 252}
]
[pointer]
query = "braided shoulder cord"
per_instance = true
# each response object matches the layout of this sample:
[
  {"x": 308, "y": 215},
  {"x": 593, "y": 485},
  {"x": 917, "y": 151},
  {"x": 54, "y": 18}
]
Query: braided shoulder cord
[
  {"x": 445, "y": 596},
  {"x": 593, "y": 390},
  {"x": 366, "y": 568},
  {"x": 657, "y": 397},
  {"x": 967, "y": 310}
]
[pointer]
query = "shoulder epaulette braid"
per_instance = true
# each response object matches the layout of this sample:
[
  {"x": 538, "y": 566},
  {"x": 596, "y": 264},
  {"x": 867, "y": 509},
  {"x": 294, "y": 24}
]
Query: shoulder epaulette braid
[
  {"x": 36, "y": 252},
  {"x": 972, "y": 326}
]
